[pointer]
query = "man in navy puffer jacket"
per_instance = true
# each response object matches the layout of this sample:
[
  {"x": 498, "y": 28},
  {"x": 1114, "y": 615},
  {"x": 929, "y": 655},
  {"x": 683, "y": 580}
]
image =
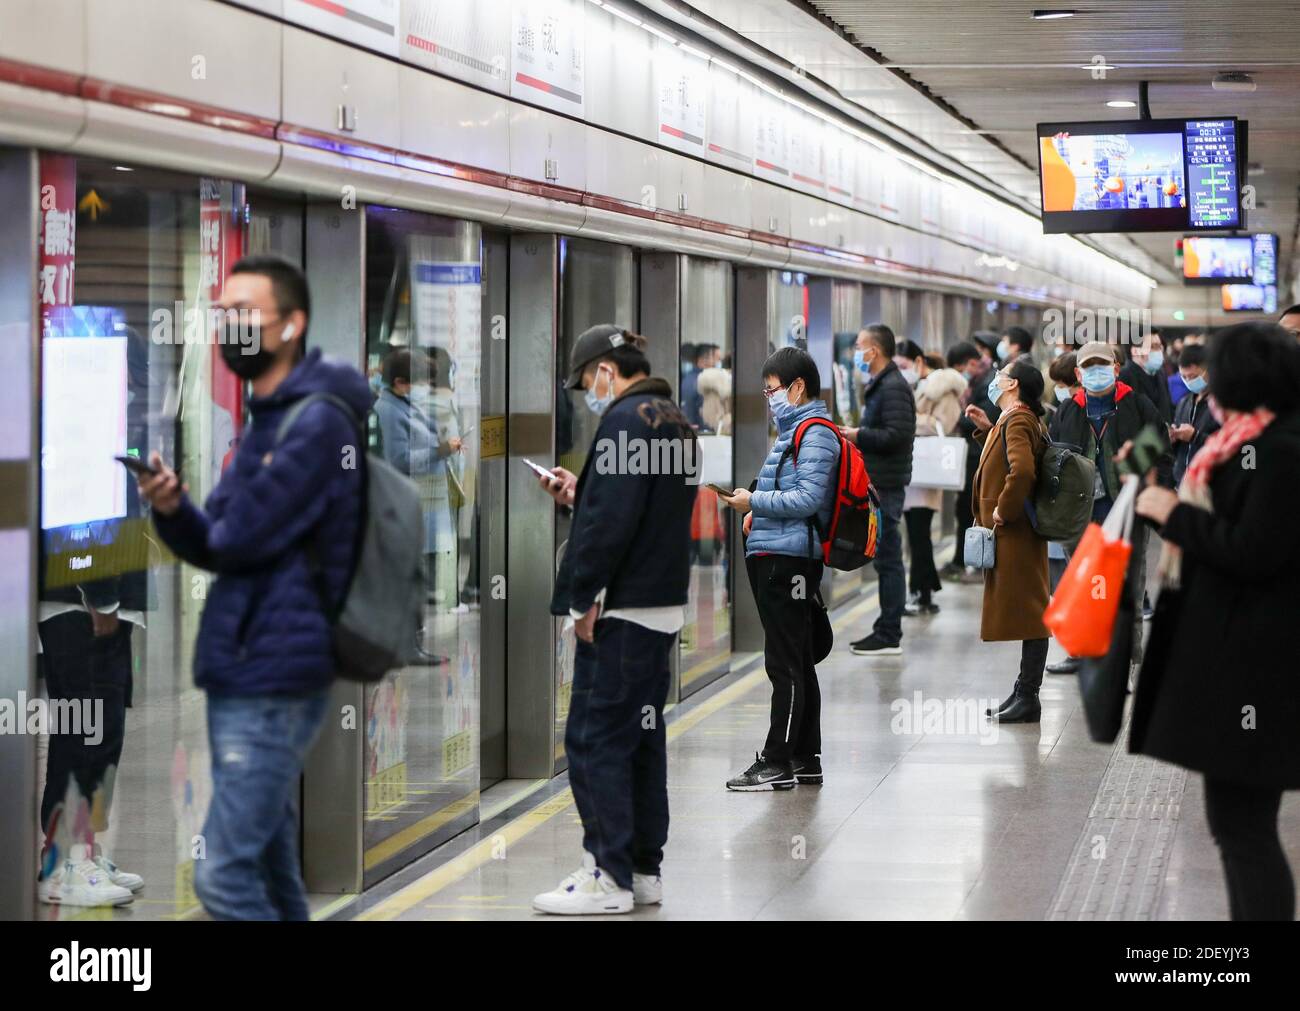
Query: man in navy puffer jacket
[
  {"x": 264, "y": 653},
  {"x": 783, "y": 557}
]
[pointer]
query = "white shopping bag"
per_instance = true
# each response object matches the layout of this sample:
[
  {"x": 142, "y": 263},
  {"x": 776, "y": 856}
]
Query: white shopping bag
[{"x": 939, "y": 461}]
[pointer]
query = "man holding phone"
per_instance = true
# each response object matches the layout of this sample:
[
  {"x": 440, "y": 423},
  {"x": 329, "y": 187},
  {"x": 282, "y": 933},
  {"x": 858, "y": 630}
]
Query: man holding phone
[
  {"x": 278, "y": 533},
  {"x": 1101, "y": 417},
  {"x": 623, "y": 580}
]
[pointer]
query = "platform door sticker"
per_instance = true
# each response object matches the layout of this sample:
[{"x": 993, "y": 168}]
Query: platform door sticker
[
  {"x": 458, "y": 711},
  {"x": 386, "y": 770},
  {"x": 548, "y": 50}
]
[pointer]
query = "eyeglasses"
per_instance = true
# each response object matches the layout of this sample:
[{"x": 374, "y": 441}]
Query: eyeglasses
[{"x": 769, "y": 394}]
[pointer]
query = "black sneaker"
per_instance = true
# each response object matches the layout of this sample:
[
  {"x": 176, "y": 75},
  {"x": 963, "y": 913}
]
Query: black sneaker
[
  {"x": 764, "y": 775},
  {"x": 918, "y": 609},
  {"x": 808, "y": 771},
  {"x": 873, "y": 645}
]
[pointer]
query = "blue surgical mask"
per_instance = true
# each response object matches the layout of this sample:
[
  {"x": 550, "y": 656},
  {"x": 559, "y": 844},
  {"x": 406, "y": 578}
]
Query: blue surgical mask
[
  {"x": 1154, "y": 361},
  {"x": 995, "y": 387},
  {"x": 1062, "y": 394},
  {"x": 598, "y": 405},
  {"x": 1097, "y": 378},
  {"x": 1004, "y": 350},
  {"x": 860, "y": 361},
  {"x": 1196, "y": 385},
  {"x": 779, "y": 404}
]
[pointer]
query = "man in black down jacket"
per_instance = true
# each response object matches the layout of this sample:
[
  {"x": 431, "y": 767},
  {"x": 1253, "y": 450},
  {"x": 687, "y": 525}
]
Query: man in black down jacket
[
  {"x": 885, "y": 432},
  {"x": 1098, "y": 420},
  {"x": 623, "y": 580},
  {"x": 1144, "y": 371}
]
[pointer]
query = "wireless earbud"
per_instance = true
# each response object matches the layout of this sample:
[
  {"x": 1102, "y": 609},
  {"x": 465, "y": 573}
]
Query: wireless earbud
[{"x": 289, "y": 332}]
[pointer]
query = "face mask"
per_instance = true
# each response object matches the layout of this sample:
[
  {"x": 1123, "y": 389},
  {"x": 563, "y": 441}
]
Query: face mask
[
  {"x": 376, "y": 383},
  {"x": 779, "y": 404},
  {"x": 965, "y": 379},
  {"x": 1062, "y": 394},
  {"x": 1154, "y": 360},
  {"x": 1196, "y": 385},
  {"x": 995, "y": 387},
  {"x": 910, "y": 375},
  {"x": 860, "y": 361},
  {"x": 1097, "y": 378},
  {"x": 1004, "y": 350},
  {"x": 234, "y": 345},
  {"x": 598, "y": 405}
]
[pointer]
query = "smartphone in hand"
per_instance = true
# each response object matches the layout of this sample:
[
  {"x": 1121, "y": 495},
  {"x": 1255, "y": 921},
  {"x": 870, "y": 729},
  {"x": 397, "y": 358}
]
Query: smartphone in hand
[
  {"x": 136, "y": 466},
  {"x": 1144, "y": 454}
]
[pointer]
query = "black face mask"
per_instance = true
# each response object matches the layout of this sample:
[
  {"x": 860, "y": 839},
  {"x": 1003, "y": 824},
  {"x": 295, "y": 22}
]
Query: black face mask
[{"x": 235, "y": 353}]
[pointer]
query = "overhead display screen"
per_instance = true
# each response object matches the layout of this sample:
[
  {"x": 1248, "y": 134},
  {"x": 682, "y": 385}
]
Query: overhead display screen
[
  {"x": 1265, "y": 258},
  {"x": 1217, "y": 259},
  {"x": 1139, "y": 175},
  {"x": 1250, "y": 298}
]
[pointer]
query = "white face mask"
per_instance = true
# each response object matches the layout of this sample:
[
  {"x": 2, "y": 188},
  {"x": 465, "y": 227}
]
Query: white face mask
[{"x": 911, "y": 375}]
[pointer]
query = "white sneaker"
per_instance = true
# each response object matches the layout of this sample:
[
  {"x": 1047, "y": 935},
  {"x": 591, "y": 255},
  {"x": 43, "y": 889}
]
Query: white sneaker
[
  {"x": 123, "y": 879},
  {"x": 647, "y": 889},
  {"x": 81, "y": 882},
  {"x": 588, "y": 891}
]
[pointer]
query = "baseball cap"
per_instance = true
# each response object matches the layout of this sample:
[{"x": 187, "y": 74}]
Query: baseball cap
[
  {"x": 594, "y": 342},
  {"x": 1094, "y": 351}
]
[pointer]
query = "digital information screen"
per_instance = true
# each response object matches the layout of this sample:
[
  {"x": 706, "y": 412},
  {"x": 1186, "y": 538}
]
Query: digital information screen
[
  {"x": 1250, "y": 298},
  {"x": 1214, "y": 200},
  {"x": 1139, "y": 175},
  {"x": 1265, "y": 258},
  {"x": 83, "y": 416},
  {"x": 1216, "y": 259}
]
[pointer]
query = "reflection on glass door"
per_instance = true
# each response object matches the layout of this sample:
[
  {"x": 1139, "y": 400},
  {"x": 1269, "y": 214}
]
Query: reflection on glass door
[
  {"x": 598, "y": 284},
  {"x": 708, "y": 400},
  {"x": 423, "y": 340}
]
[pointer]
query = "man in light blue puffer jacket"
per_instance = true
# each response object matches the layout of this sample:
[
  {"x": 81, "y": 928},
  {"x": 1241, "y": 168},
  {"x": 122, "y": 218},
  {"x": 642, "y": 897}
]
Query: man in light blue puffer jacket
[{"x": 783, "y": 557}]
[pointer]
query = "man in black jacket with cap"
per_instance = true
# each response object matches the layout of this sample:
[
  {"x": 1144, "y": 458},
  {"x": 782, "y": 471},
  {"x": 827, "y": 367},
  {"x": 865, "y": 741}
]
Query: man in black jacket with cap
[
  {"x": 623, "y": 581},
  {"x": 885, "y": 432}
]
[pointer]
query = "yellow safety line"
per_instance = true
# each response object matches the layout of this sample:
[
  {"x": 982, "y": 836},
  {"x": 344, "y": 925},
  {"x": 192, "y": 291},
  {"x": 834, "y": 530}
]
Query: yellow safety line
[{"x": 482, "y": 852}]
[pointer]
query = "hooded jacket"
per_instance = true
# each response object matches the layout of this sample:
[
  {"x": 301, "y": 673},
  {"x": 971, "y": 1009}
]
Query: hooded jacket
[
  {"x": 787, "y": 496},
  {"x": 631, "y": 529},
  {"x": 264, "y": 629},
  {"x": 1133, "y": 412}
]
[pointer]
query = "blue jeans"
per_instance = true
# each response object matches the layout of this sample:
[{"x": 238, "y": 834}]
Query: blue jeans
[
  {"x": 889, "y": 566},
  {"x": 250, "y": 870},
  {"x": 617, "y": 746}
]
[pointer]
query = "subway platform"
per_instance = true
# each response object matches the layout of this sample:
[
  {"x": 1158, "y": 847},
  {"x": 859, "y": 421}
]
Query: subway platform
[{"x": 922, "y": 818}]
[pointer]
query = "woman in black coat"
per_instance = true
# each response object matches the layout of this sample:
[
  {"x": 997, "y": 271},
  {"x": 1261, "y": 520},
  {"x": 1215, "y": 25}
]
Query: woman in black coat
[{"x": 1219, "y": 690}]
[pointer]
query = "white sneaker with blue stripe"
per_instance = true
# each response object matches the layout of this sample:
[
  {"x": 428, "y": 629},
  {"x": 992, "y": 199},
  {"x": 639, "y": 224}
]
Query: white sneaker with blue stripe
[{"x": 588, "y": 891}]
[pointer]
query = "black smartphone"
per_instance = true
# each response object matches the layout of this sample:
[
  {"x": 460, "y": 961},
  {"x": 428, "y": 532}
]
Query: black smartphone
[
  {"x": 1147, "y": 448},
  {"x": 135, "y": 465},
  {"x": 718, "y": 489}
]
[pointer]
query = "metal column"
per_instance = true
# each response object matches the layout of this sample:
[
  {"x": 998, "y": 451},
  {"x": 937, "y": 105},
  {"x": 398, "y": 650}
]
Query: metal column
[
  {"x": 755, "y": 308},
  {"x": 332, "y": 804},
  {"x": 19, "y": 523},
  {"x": 533, "y": 329}
]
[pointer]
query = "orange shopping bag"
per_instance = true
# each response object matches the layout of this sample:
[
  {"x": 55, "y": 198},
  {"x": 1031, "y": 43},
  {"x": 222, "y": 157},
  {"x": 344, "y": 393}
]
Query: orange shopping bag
[{"x": 1082, "y": 613}]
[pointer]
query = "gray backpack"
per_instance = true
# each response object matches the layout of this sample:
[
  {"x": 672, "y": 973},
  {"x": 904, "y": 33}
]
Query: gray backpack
[
  {"x": 1060, "y": 506},
  {"x": 377, "y": 623}
]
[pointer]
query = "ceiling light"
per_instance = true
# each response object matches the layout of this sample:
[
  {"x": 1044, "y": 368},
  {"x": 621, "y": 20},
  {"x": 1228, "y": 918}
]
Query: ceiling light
[
  {"x": 1233, "y": 80},
  {"x": 1052, "y": 15},
  {"x": 1120, "y": 103}
]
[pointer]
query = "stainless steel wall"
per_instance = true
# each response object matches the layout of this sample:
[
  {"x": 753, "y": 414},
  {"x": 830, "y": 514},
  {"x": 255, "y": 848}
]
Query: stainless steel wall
[{"x": 19, "y": 526}]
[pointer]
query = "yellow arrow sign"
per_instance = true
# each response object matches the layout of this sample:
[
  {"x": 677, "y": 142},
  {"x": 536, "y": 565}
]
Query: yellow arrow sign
[{"x": 92, "y": 203}]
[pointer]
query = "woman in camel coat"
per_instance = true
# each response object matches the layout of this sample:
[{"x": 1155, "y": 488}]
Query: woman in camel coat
[{"x": 1015, "y": 589}]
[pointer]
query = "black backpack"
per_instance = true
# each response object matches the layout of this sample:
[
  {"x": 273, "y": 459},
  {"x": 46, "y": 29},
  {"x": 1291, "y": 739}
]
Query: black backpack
[{"x": 1060, "y": 506}]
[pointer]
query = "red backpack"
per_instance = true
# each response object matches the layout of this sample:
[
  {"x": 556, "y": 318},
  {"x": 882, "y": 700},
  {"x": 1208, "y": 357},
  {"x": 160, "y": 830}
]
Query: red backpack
[{"x": 849, "y": 541}]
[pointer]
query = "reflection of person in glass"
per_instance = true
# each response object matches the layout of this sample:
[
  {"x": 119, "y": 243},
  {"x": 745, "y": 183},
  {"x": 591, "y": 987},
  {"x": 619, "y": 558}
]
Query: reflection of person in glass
[
  {"x": 415, "y": 445},
  {"x": 279, "y": 531}
]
